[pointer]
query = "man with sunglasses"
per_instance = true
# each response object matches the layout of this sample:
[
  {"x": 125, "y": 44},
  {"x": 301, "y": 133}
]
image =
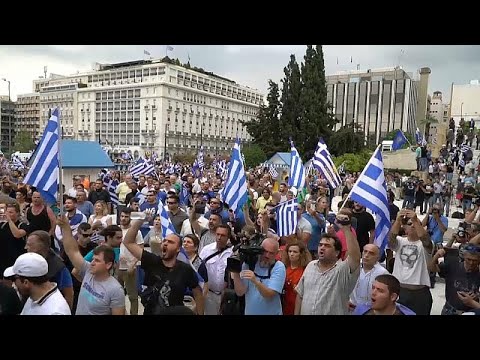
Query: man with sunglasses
[
  {"x": 176, "y": 214},
  {"x": 411, "y": 258},
  {"x": 462, "y": 279}
]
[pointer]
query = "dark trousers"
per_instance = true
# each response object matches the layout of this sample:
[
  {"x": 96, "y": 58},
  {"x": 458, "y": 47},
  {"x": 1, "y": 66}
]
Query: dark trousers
[{"x": 419, "y": 301}]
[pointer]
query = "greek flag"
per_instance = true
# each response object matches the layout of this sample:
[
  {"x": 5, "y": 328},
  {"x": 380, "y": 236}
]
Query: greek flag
[
  {"x": 370, "y": 190},
  {"x": 143, "y": 166},
  {"x": 297, "y": 171},
  {"x": 322, "y": 161},
  {"x": 43, "y": 173},
  {"x": 235, "y": 191},
  {"x": 167, "y": 229},
  {"x": 273, "y": 172},
  {"x": 464, "y": 148},
  {"x": 287, "y": 217},
  {"x": 17, "y": 163}
]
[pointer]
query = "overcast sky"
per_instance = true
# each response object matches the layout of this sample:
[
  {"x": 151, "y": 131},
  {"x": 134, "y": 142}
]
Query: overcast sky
[{"x": 250, "y": 65}]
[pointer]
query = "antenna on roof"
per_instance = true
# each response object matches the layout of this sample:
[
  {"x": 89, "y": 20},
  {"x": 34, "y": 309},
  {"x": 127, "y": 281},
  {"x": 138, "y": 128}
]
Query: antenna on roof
[{"x": 45, "y": 71}]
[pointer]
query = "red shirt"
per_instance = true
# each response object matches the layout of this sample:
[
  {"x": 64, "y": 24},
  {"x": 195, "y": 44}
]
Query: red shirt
[
  {"x": 291, "y": 281},
  {"x": 341, "y": 236}
]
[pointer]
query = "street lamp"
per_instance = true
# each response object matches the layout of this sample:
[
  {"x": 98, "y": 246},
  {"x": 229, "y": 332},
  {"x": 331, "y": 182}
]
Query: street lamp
[
  {"x": 461, "y": 111},
  {"x": 8, "y": 88}
]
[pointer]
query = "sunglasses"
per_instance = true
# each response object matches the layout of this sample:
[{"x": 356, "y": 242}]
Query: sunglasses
[{"x": 472, "y": 248}]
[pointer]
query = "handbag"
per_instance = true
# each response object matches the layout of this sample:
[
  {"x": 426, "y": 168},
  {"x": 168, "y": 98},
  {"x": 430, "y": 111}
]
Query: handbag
[{"x": 230, "y": 303}]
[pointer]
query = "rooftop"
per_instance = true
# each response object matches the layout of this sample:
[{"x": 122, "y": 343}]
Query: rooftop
[{"x": 84, "y": 154}]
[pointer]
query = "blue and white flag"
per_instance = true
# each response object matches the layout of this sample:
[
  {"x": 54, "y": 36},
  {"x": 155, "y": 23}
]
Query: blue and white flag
[
  {"x": 272, "y": 171},
  {"x": 297, "y": 170},
  {"x": 43, "y": 173},
  {"x": 287, "y": 217},
  {"x": 370, "y": 191},
  {"x": 142, "y": 166},
  {"x": 235, "y": 190},
  {"x": 17, "y": 163},
  {"x": 322, "y": 161},
  {"x": 399, "y": 140}
]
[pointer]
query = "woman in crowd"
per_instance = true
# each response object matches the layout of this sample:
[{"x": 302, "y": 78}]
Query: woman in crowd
[{"x": 296, "y": 258}]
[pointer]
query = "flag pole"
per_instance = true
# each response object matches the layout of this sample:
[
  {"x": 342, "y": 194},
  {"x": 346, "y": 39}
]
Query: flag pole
[
  {"x": 363, "y": 172},
  {"x": 60, "y": 171}
]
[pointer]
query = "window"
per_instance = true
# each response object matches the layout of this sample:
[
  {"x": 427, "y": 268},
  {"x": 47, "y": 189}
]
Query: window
[{"x": 137, "y": 93}]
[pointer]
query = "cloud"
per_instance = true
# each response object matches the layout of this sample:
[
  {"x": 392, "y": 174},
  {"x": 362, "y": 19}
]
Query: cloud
[{"x": 251, "y": 65}]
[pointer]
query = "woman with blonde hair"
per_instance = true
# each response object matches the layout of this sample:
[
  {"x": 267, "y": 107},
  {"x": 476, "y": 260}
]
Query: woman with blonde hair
[
  {"x": 296, "y": 258},
  {"x": 99, "y": 219}
]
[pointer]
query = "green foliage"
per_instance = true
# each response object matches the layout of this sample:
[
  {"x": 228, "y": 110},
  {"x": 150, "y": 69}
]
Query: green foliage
[
  {"x": 185, "y": 158},
  {"x": 316, "y": 120},
  {"x": 23, "y": 142},
  {"x": 302, "y": 113},
  {"x": 254, "y": 155},
  {"x": 353, "y": 162},
  {"x": 349, "y": 139},
  {"x": 266, "y": 127}
]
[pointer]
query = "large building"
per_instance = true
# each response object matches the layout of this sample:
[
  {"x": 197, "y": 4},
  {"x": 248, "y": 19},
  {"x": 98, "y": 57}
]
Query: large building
[
  {"x": 465, "y": 102},
  {"x": 27, "y": 114},
  {"x": 7, "y": 124},
  {"x": 154, "y": 105},
  {"x": 438, "y": 109},
  {"x": 378, "y": 100}
]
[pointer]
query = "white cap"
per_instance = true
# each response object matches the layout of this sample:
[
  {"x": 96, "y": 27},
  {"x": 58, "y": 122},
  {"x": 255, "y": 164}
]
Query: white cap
[{"x": 28, "y": 265}]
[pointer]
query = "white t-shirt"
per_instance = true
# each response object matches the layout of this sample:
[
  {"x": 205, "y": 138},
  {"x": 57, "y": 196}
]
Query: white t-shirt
[
  {"x": 362, "y": 293},
  {"x": 126, "y": 257},
  {"x": 411, "y": 262},
  {"x": 52, "y": 303}
]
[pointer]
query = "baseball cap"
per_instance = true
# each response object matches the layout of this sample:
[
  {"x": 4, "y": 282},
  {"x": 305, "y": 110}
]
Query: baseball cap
[{"x": 28, "y": 265}]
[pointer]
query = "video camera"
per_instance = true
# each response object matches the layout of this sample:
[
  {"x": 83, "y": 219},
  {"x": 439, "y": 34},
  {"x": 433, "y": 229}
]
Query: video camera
[{"x": 248, "y": 251}]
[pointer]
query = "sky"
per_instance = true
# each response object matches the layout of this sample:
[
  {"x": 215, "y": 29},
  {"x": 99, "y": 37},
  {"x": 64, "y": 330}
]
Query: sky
[{"x": 250, "y": 65}]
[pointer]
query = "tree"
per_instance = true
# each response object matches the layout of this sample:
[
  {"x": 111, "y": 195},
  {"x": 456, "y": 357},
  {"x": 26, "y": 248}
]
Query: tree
[
  {"x": 291, "y": 115},
  {"x": 353, "y": 162},
  {"x": 349, "y": 139},
  {"x": 254, "y": 155},
  {"x": 264, "y": 129},
  {"x": 23, "y": 142},
  {"x": 425, "y": 123},
  {"x": 316, "y": 120}
]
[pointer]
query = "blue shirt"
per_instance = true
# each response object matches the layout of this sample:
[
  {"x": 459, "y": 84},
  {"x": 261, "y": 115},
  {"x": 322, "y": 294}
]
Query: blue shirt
[
  {"x": 434, "y": 229},
  {"x": 89, "y": 256},
  {"x": 63, "y": 279},
  {"x": 316, "y": 230},
  {"x": 255, "y": 303}
]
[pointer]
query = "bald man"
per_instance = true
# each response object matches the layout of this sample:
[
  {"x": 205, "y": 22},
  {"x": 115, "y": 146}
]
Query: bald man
[
  {"x": 263, "y": 285},
  {"x": 370, "y": 269}
]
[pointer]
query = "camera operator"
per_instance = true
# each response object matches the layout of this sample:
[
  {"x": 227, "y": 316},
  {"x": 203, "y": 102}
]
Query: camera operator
[
  {"x": 263, "y": 285},
  {"x": 437, "y": 225},
  {"x": 408, "y": 193}
]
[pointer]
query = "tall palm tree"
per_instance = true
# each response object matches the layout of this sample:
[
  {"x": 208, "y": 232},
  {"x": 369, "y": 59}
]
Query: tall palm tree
[{"x": 425, "y": 124}]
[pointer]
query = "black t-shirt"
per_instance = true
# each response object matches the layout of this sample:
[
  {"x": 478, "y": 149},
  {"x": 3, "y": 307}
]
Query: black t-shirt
[
  {"x": 393, "y": 211},
  {"x": 10, "y": 246},
  {"x": 95, "y": 196},
  {"x": 10, "y": 303},
  {"x": 409, "y": 189},
  {"x": 468, "y": 193},
  {"x": 365, "y": 223},
  {"x": 457, "y": 279},
  {"x": 173, "y": 282}
]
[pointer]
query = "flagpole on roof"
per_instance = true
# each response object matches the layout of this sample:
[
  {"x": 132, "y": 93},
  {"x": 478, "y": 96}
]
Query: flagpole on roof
[
  {"x": 60, "y": 169},
  {"x": 363, "y": 172}
]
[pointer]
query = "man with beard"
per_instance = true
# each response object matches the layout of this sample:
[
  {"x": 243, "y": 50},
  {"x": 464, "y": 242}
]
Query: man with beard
[
  {"x": 365, "y": 225},
  {"x": 30, "y": 276},
  {"x": 75, "y": 218},
  {"x": 262, "y": 285},
  {"x": 167, "y": 279},
  {"x": 327, "y": 283},
  {"x": 206, "y": 236}
]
